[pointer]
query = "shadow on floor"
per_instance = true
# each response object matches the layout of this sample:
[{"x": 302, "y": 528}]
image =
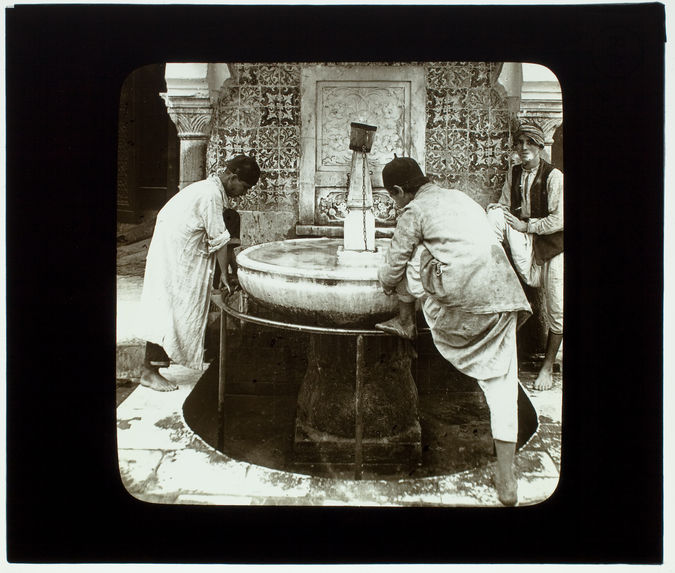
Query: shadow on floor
[
  {"x": 259, "y": 429},
  {"x": 123, "y": 388}
]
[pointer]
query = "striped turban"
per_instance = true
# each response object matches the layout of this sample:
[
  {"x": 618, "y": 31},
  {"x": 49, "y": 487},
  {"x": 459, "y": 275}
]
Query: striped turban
[{"x": 532, "y": 131}]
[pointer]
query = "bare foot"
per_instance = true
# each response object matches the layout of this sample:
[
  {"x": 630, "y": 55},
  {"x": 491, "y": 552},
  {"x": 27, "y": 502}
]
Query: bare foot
[
  {"x": 399, "y": 328},
  {"x": 155, "y": 381},
  {"x": 507, "y": 489},
  {"x": 544, "y": 379}
]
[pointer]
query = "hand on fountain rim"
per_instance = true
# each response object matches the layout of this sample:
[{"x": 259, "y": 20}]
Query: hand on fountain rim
[{"x": 229, "y": 284}]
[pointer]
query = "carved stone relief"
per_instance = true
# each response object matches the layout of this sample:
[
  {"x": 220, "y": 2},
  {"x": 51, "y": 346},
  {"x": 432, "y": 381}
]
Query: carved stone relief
[
  {"x": 332, "y": 208},
  {"x": 192, "y": 124},
  {"x": 383, "y": 107},
  {"x": 332, "y": 97}
]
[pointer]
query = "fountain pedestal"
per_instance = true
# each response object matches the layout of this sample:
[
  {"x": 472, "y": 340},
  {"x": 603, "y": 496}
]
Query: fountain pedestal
[
  {"x": 326, "y": 418},
  {"x": 343, "y": 414},
  {"x": 303, "y": 280}
]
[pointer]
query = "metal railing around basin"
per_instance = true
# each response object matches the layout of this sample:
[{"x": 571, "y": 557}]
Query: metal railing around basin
[{"x": 243, "y": 315}]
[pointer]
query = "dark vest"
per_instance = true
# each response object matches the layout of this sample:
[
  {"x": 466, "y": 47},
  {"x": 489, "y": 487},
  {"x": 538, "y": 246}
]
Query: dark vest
[{"x": 545, "y": 246}]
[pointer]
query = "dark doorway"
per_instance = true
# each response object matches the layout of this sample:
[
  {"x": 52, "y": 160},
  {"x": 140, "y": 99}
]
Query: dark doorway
[{"x": 148, "y": 147}]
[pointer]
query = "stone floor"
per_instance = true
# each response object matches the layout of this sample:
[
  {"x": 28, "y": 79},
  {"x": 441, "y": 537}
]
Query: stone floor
[{"x": 162, "y": 460}]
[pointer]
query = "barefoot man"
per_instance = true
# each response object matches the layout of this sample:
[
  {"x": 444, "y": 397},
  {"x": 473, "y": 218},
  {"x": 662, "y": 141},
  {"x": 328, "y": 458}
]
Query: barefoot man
[
  {"x": 190, "y": 235},
  {"x": 529, "y": 218},
  {"x": 444, "y": 253}
]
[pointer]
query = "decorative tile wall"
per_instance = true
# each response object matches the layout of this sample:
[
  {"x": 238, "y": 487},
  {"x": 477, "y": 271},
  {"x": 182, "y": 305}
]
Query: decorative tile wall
[
  {"x": 467, "y": 130},
  {"x": 258, "y": 114}
]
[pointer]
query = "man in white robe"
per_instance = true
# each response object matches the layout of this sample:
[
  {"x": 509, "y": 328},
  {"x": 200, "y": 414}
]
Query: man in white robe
[{"x": 189, "y": 236}]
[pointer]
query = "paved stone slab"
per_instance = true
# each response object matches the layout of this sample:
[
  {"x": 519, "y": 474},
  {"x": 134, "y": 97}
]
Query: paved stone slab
[
  {"x": 548, "y": 403},
  {"x": 137, "y": 468},
  {"x": 536, "y": 489},
  {"x": 154, "y": 420},
  {"x": 535, "y": 464},
  {"x": 208, "y": 499},
  {"x": 202, "y": 473},
  {"x": 551, "y": 443},
  {"x": 162, "y": 461}
]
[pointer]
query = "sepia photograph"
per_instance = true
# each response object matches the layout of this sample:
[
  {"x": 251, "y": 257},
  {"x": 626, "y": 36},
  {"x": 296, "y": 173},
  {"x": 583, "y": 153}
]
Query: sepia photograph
[
  {"x": 287, "y": 284},
  {"x": 340, "y": 283}
]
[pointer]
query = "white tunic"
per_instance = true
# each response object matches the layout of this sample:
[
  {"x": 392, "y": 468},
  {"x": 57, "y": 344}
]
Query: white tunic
[{"x": 179, "y": 270}]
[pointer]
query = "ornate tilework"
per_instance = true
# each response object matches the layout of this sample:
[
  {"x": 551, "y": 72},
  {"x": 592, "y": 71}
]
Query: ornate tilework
[
  {"x": 466, "y": 113},
  {"x": 250, "y": 115},
  {"x": 268, "y": 159},
  {"x": 251, "y": 96},
  {"x": 457, "y": 118},
  {"x": 478, "y": 120},
  {"x": 481, "y": 150},
  {"x": 289, "y": 75},
  {"x": 279, "y": 106},
  {"x": 268, "y": 138},
  {"x": 499, "y": 122},
  {"x": 436, "y": 139},
  {"x": 466, "y": 138},
  {"x": 457, "y": 159},
  {"x": 229, "y": 116},
  {"x": 289, "y": 137},
  {"x": 288, "y": 158},
  {"x": 435, "y": 116},
  {"x": 435, "y": 77},
  {"x": 480, "y": 74},
  {"x": 268, "y": 75},
  {"x": 458, "y": 76},
  {"x": 247, "y": 75},
  {"x": 258, "y": 114},
  {"x": 436, "y": 163},
  {"x": 478, "y": 98}
]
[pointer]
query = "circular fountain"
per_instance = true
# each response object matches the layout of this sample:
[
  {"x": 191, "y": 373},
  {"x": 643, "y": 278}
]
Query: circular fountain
[
  {"x": 326, "y": 281},
  {"x": 333, "y": 283},
  {"x": 305, "y": 280}
]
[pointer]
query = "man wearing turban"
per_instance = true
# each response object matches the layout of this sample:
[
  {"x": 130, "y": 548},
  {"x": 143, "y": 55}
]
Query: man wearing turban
[
  {"x": 529, "y": 218},
  {"x": 444, "y": 253},
  {"x": 190, "y": 235}
]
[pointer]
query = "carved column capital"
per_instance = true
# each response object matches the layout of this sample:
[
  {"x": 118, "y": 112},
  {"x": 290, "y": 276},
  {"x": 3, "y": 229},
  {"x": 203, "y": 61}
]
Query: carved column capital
[
  {"x": 510, "y": 81},
  {"x": 541, "y": 99},
  {"x": 533, "y": 94},
  {"x": 191, "y": 89},
  {"x": 191, "y": 115}
]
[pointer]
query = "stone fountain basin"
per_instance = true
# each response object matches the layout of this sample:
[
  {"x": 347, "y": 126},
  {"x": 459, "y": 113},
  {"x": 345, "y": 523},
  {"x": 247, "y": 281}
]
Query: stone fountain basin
[{"x": 303, "y": 280}]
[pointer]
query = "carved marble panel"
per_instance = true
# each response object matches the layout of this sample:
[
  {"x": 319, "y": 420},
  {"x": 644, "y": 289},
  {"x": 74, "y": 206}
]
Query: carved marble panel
[
  {"x": 332, "y": 208},
  {"x": 334, "y": 96},
  {"x": 345, "y": 102}
]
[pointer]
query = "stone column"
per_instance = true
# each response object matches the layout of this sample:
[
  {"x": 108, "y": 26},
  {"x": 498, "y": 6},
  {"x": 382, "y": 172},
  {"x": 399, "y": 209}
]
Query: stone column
[
  {"x": 192, "y": 118},
  {"x": 191, "y": 90},
  {"x": 541, "y": 101},
  {"x": 533, "y": 94}
]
